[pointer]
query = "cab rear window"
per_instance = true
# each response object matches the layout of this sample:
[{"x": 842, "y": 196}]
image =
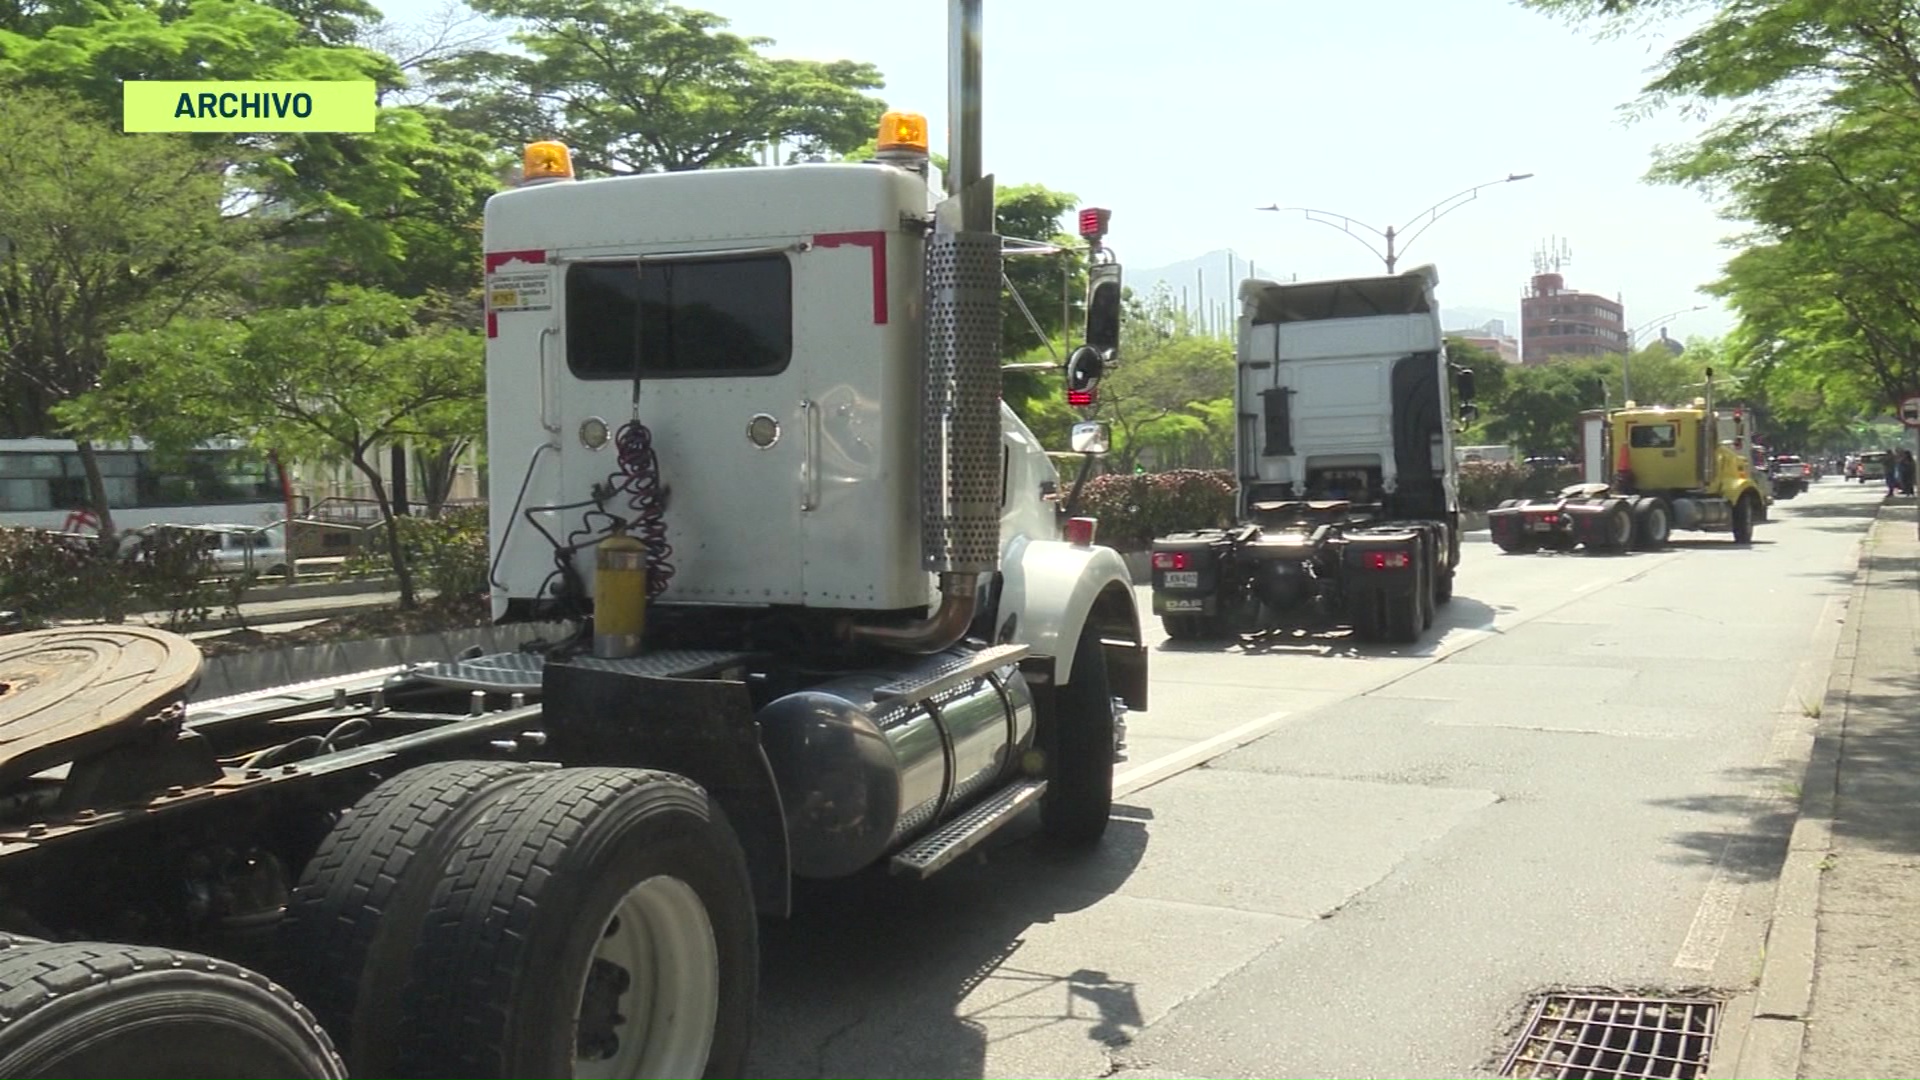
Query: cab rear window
[
  {"x": 1652, "y": 436},
  {"x": 707, "y": 317}
]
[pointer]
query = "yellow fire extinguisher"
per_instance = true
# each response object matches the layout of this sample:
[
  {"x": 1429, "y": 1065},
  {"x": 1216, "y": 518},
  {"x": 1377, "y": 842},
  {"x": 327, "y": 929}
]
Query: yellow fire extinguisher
[{"x": 619, "y": 596}]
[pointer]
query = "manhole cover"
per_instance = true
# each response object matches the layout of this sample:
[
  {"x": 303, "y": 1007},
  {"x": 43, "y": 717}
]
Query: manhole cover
[{"x": 1583, "y": 1037}]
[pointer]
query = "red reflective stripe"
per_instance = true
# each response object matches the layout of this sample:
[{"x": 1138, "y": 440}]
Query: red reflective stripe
[
  {"x": 493, "y": 325},
  {"x": 498, "y": 259},
  {"x": 876, "y": 242}
]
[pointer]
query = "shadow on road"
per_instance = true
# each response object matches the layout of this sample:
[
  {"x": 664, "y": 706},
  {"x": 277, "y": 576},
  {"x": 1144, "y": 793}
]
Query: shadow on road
[
  {"x": 885, "y": 976},
  {"x": 1880, "y": 763},
  {"x": 1463, "y": 613},
  {"x": 1752, "y": 845}
]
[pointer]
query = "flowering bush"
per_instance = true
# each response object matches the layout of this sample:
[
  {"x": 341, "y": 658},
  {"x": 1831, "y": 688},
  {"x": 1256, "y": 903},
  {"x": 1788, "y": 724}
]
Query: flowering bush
[
  {"x": 1486, "y": 484},
  {"x": 1133, "y": 509}
]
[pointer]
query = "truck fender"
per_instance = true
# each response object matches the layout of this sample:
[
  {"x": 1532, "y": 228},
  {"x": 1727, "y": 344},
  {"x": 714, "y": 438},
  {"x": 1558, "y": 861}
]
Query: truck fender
[{"x": 1051, "y": 590}]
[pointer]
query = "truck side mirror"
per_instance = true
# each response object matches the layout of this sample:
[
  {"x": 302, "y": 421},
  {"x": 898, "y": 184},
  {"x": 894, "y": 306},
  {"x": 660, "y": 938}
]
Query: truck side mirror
[
  {"x": 1089, "y": 437},
  {"x": 1463, "y": 387},
  {"x": 1084, "y": 369},
  {"x": 1103, "y": 309},
  {"x": 1469, "y": 412}
]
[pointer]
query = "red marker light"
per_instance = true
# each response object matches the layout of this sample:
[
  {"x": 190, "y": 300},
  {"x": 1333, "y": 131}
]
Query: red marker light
[
  {"x": 1080, "y": 531},
  {"x": 1387, "y": 560},
  {"x": 1093, "y": 222},
  {"x": 1169, "y": 560},
  {"x": 1080, "y": 399}
]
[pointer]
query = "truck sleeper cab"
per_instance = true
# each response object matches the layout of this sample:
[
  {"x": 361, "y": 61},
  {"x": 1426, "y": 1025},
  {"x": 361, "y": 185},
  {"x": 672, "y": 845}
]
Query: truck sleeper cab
[{"x": 1347, "y": 496}]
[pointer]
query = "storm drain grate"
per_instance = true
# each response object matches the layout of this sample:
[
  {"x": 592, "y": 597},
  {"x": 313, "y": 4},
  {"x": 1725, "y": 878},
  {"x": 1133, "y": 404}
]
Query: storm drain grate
[{"x": 1581, "y": 1037}]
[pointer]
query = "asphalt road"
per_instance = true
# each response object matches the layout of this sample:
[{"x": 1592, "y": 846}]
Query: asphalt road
[{"x": 1329, "y": 860}]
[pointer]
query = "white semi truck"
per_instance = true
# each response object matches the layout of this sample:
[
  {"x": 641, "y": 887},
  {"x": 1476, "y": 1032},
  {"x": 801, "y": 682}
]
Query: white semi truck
[
  {"x": 1348, "y": 508},
  {"x": 745, "y": 429}
]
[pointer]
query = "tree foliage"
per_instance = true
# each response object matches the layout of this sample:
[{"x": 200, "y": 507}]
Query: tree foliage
[
  {"x": 647, "y": 86},
  {"x": 337, "y": 380},
  {"x": 1823, "y": 106}
]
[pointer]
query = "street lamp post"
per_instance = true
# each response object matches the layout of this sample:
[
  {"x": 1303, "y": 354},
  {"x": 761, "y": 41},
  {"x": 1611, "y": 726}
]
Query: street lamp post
[
  {"x": 1626, "y": 361},
  {"x": 1397, "y": 239}
]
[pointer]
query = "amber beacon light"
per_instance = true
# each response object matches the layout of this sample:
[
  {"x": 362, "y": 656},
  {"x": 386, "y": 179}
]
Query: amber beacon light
[
  {"x": 902, "y": 131},
  {"x": 546, "y": 161}
]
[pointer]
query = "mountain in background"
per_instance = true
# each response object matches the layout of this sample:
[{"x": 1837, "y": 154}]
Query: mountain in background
[{"x": 1217, "y": 275}]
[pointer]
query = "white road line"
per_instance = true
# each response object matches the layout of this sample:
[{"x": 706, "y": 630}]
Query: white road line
[
  {"x": 1701, "y": 949},
  {"x": 1168, "y": 765}
]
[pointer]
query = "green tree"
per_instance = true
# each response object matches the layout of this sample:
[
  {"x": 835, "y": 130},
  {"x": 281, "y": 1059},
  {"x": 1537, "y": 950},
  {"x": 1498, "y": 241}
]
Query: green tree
[
  {"x": 340, "y": 379},
  {"x": 100, "y": 232},
  {"x": 1173, "y": 391},
  {"x": 1823, "y": 104},
  {"x": 646, "y": 86},
  {"x": 1539, "y": 412}
]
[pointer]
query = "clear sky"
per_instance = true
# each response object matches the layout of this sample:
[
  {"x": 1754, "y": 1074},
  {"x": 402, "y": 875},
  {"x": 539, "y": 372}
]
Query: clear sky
[{"x": 1182, "y": 118}]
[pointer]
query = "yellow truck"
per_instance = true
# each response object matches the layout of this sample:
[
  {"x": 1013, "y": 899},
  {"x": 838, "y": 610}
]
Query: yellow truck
[{"x": 1649, "y": 470}]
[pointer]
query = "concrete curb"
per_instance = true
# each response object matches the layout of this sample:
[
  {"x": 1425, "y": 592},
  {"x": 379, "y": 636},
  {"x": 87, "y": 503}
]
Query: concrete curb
[{"x": 1775, "y": 1033}]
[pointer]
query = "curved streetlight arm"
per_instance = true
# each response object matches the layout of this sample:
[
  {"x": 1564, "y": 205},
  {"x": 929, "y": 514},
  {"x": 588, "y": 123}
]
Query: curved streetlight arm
[
  {"x": 1655, "y": 324},
  {"x": 1451, "y": 203},
  {"x": 1343, "y": 223}
]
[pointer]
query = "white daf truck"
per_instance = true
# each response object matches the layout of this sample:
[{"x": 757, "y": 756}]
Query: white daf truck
[
  {"x": 746, "y": 431},
  {"x": 1348, "y": 505}
]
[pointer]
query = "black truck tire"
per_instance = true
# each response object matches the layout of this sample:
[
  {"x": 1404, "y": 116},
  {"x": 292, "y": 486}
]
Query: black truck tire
[
  {"x": 1616, "y": 528},
  {"x": 1079, "y": 796},
  {"x": 1401, "y": 611},
  {"x": 1743, "y": 517},
  {"x": 352, "y": 920},
  {"x": 597, "y": 911},
  {"x": 1652, "y": 526},
  {"x": 92, "y": 1010},
  {"x": 1184, "y": 627},
  {"x": 1429, "y": 582}
]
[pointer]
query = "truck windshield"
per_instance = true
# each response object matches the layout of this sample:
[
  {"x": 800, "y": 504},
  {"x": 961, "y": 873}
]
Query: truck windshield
[{"x": 701, "y": 318}]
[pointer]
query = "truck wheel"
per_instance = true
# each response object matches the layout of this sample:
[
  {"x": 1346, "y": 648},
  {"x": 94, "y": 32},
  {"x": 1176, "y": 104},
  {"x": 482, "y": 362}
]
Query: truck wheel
[
  {"x": 1079, "y": 796},
  {"x": 599, "y": 922},
  {"x": 352, "y": 921},
  {"x": 1743, "y": 515},
  {"x": 1652, "y": 527},
  {"x": 1403, "y": 615},
  {"x": 1184, "y": 627},
  {"x": 1429, "y": 584},
  {"x": 1616, "y": 529},
  {"x": 83, "y": 1009}
]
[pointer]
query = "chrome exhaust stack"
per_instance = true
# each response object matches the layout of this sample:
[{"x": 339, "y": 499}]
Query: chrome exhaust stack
[{"x": 960, "y": 398}]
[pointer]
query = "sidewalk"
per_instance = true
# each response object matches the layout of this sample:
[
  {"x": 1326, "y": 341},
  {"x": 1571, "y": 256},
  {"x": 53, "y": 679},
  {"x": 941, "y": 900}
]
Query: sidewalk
[{"x": 1849, "y": 892}]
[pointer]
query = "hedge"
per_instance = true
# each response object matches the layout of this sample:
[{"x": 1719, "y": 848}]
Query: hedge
[
  {"x": 1486, "y": 484},
  {"x": 46, "y": 576},
  {"x": 1135, "y": 508}
]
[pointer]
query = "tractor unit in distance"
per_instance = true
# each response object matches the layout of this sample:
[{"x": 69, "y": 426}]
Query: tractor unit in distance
[
  {"x": 1348, "y": 509},
  {"x": 828, "y": 615},
  {"x": 1671, "y": 468}
]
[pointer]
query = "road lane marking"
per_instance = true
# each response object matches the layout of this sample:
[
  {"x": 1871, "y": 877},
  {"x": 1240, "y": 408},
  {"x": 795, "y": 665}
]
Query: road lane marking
[{"x": 1168, "y": 765}]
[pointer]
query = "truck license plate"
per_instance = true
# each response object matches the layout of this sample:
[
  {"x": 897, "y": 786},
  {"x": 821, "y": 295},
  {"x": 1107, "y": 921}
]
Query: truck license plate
[
  {"x": 1541, "y": 526},
  {"x": 1186, "y": 605},
  {"x": 1182, "y": 579}
]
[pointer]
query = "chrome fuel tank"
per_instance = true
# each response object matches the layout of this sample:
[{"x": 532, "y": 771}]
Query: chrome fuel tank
[{"x": 861, "y": 777}]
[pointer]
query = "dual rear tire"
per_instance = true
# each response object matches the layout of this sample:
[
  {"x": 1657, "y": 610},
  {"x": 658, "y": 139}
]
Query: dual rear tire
[{"x": 503, "y": 920}]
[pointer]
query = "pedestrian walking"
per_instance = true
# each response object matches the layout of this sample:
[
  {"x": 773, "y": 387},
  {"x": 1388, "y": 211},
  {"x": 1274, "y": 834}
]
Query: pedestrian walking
[
  {"x": 1906, "y": 472},
  {"x": 1892, "y": 472}
]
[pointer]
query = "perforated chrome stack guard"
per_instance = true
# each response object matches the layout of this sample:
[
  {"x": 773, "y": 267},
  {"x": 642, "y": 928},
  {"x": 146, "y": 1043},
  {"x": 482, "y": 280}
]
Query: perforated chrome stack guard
[{"x": 960, "y": 435}]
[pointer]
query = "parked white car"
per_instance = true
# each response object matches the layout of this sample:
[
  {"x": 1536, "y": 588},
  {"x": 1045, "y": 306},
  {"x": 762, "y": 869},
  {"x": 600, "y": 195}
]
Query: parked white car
[{"x": 236, "y": 549}]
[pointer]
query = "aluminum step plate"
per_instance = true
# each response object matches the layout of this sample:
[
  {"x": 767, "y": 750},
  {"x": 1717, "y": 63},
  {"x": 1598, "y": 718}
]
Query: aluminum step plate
[
  {"x": 947, "y": 672},
  {"x": 520, "y": 671},
  {"x": 957, "y": 837}
]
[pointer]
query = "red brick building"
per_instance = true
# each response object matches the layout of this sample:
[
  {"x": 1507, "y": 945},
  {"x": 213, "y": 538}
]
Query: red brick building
[{"x": 1557, "y": 321}]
